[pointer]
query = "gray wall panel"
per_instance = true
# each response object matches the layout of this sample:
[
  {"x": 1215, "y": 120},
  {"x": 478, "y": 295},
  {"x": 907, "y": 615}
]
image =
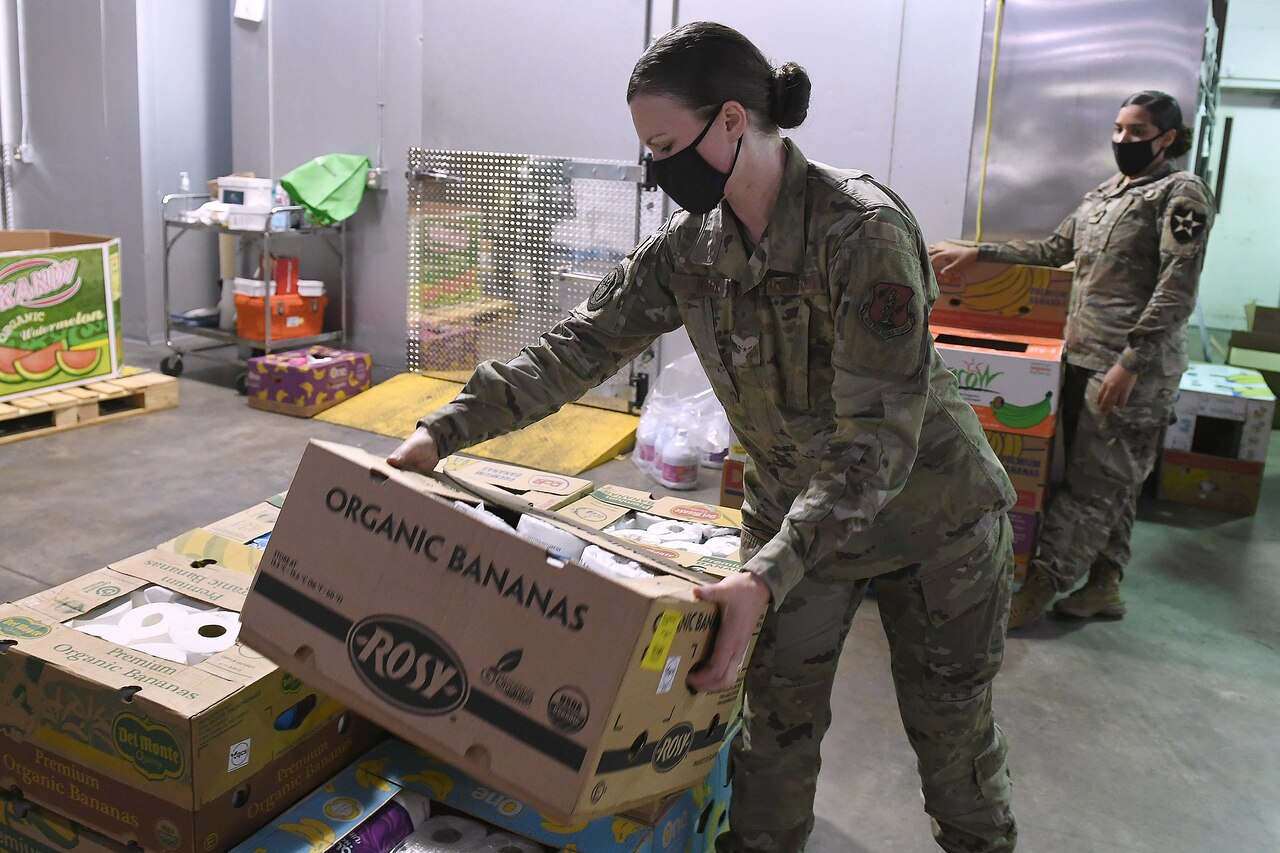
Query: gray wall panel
[
  {"x": 1064, "y": 68},
  {"x": 538, "y": 78}
]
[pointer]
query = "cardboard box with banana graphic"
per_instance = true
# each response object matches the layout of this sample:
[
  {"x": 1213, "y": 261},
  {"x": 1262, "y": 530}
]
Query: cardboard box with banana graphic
[
  {"x": 1013, "y": 382},
  {"x": 1013, "y": 298}
]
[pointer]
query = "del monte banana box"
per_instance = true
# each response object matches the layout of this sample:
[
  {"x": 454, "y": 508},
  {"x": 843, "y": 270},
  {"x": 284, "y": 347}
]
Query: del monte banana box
[
  {"x": 1009, "y": 298},
  {"x": 540, "y": 489},
  {"x": 530, "y": 673},
  {"x": 1013, "y": 382},
  {"x": 59, "y": 311},
  {"x": 27, "y": 828},
  {"x": 174, "y": 757},
  {"x": 610, "y": 504}
]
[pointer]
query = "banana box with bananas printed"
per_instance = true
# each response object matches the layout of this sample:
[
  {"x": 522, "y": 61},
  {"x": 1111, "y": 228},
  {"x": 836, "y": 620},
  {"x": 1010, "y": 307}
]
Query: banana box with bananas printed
[
  {"x": 1013, "y": 382},
  {"x": 115, "y": 727},
  {"x": 27, "y": 828},
  {"x": 1027, "y": 460},
  {"x": 685, "y": 823},
  {"x": 528, "y": 671},
  {"x": 305, "y": 382},
  {"x": 235, "y": 542},
  {"x": 1012, "y": 298},
  {"x": 540, "y": 489}
]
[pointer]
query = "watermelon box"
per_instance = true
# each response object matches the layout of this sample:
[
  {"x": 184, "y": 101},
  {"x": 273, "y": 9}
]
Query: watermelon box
[{"x": 59, "y": 311}]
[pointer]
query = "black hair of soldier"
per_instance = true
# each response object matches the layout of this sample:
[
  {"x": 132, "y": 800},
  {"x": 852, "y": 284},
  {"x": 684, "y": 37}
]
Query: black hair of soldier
[
  {"x": 1165, "y": 114},
  {"x": 704, "y": 64}
]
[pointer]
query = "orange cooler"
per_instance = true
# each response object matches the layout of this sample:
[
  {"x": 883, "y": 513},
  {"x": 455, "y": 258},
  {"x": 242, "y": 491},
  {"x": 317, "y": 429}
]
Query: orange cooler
[{"x": 292, "y": 316}]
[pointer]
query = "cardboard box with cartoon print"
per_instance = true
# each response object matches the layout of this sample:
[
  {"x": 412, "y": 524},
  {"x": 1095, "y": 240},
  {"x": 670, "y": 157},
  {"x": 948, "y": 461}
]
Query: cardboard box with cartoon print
[
  {"x": 563, "y": 687},
  {"x": 1013, "y": 382},
  {"x": 608, "y": 505},
  {"x": 174, "y": 757},
  {"x": 683, "y": 823},
  {"x": 1214, "y": 454}
]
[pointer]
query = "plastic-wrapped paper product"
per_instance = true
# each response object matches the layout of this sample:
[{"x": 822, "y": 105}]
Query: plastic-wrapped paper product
[
  {"x": 445, "y": 834},
  {"x": 560, "y": 543}
]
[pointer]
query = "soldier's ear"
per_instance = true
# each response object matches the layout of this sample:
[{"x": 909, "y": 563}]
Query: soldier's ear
[{"x": 735, "y": 118}]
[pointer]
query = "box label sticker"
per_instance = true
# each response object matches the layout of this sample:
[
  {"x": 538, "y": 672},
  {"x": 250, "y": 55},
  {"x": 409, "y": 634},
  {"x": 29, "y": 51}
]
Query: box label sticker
[
  {"x": 669, "y": 674},
  {"x": 238, "y": 756},
  {"x": 655, "y": 657}
]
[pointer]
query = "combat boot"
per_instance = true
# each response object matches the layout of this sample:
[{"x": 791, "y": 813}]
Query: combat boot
[
  {"x": 1099, "y": 597},
  {"x": 1029, "y": 602}
]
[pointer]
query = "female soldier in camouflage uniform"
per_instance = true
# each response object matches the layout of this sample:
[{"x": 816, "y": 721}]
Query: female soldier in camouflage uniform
[
  {"x": 1138, "y": 242},
  {"x": 806, "y": 291}
]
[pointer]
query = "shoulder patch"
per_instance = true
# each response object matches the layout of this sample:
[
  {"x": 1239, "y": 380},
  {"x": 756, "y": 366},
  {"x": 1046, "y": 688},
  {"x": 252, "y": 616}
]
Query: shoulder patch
[
  {"x": 605, "y": 289},
  {"x": 888, "y": 311},
  {"x": 1186, "y": 223}
]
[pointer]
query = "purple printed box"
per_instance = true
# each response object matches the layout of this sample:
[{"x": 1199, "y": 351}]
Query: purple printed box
[
  {"x": 305, "y": 382},
  {"x": 1026, "y": 526},
  {"x": 449, "y": 347}
]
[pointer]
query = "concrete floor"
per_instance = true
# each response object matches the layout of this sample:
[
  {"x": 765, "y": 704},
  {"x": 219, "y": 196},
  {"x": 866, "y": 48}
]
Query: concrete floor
[{"x": 1156, "y": 733}]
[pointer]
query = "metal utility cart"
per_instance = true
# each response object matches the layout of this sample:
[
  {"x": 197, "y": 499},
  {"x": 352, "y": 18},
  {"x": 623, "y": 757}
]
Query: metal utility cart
[{"x": 334, "y": 236}]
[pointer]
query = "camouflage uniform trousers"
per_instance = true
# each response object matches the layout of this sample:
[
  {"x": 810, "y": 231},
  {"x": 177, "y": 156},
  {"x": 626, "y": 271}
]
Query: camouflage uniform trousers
[
  {"x": 942, "y": 671},
  {"x": 1089, "y": 522}
]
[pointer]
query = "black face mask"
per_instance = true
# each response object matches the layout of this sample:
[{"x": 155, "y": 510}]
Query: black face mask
[
  {"x": 691, "y": 181},
  {"x": 1133, "y": 157}
]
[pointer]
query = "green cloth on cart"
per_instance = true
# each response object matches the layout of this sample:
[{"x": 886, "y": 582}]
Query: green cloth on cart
[{"x": 329, "y": 187}]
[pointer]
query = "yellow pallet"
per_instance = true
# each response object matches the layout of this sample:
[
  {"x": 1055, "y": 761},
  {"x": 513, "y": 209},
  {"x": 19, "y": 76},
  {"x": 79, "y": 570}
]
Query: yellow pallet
[{"x": 71, "y": 408}]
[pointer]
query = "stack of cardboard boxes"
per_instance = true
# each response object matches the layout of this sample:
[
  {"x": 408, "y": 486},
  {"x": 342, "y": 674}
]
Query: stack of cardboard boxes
[
  {"x": 550, "y": 700},
  {"x": 1000, "y": 332}
]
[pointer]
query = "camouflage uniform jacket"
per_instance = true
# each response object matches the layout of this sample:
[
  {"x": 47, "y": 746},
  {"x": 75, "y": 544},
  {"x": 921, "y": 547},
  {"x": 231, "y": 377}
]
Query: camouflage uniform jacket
[
  {"x": 1138, "y": 250},
  {"x": 817, "y": 344}
]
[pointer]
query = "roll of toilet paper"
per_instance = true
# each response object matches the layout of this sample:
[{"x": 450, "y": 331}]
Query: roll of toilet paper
[
  {"x": 603, "y": 562},
  {"x": 445, "y": 834},
  {"x": 645, "y": 520},
  {"x": 153, "y": 621},
  {"x": 644, "y": 537},
  {"x": 206, "y": 633},
  {"x": 625, "y": 523},
  {"x": 723, "y": 546},
  {"x": 500, "y": 842},
  {"x": 110, "y": 633},
  {"x": 152, "y": 594},
  {"x": 559, "y": 542},
  {"x": 675, "y": 531},
  {"x": 168, "y": 651},
  {"x": 712, "y": 531}
]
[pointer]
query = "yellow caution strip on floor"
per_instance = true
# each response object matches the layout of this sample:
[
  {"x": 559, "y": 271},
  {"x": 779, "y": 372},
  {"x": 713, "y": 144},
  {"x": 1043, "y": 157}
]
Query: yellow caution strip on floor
[{"x": 573, "y": 440}]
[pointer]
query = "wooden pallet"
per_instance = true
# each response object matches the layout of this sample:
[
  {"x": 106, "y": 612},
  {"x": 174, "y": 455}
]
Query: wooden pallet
[{"x": 70, "y": 408}]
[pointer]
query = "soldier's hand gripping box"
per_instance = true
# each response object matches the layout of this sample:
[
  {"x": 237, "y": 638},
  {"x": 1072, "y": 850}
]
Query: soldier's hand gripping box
[
  {"x": 171, "y": 756},
  {"x": 1013, "y": 382},
  {"x": 563, "y": 687}
]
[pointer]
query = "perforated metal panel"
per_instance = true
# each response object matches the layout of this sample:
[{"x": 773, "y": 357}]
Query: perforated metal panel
[{"x": 501, "y": 246}]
